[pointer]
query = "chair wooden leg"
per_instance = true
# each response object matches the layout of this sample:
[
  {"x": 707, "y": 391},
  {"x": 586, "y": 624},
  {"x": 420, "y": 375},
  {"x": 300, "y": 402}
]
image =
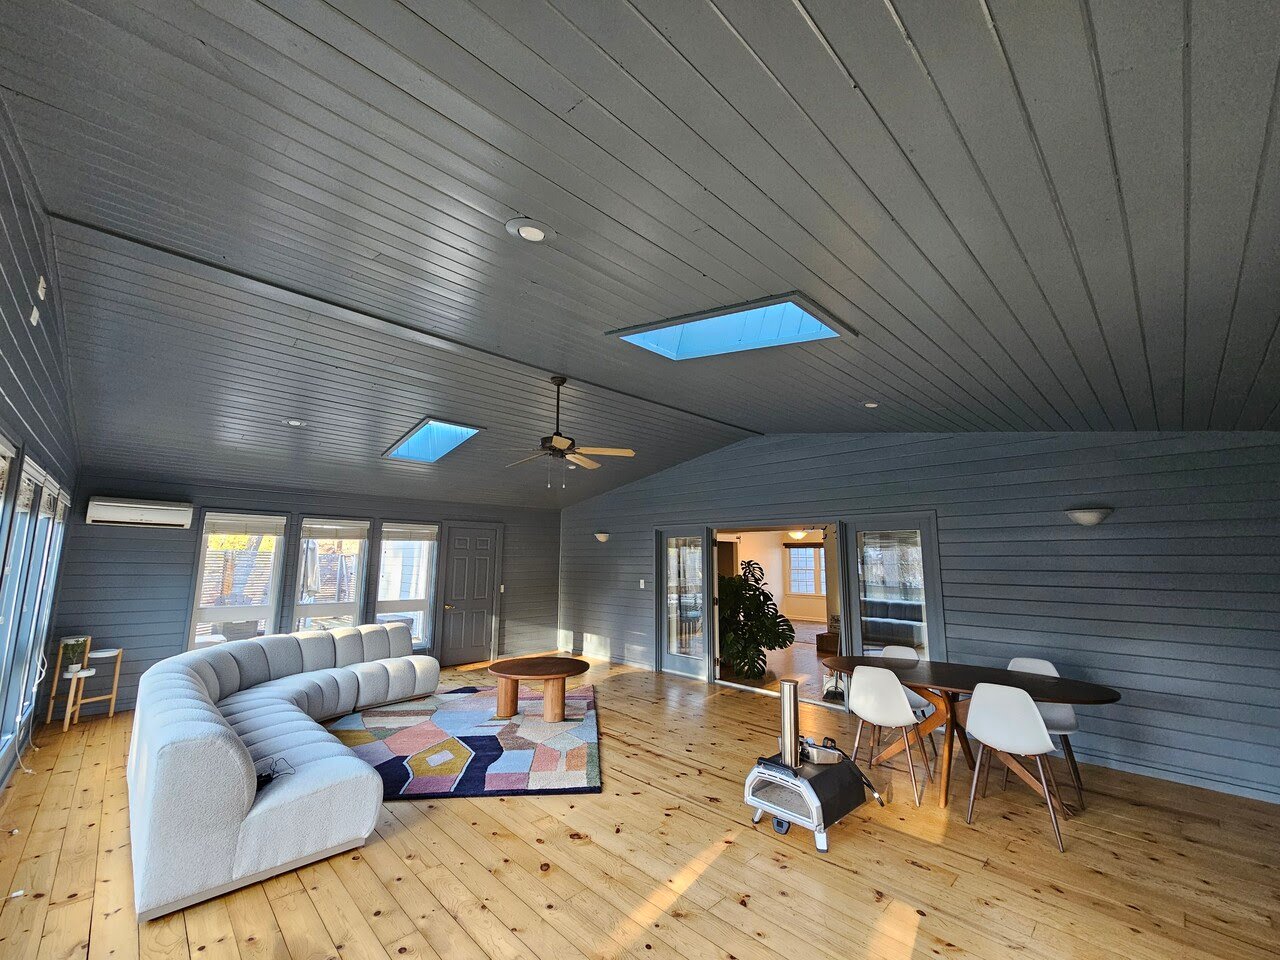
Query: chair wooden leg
[
  {"x": 1004, "y": 784},
  {"x": 115, "y": 683},
  {"x": 71, "y": 702},
  {"x": 53, "y": 690},
  {"x": 857, "y": 740},
  {"x": 924, "y": 757},
  {"x": 1075, "y": 770},
  {"x": 911, "y": 766},
  {"x": 973, "y": 787},
  {"x": 1048, "y": 798}
]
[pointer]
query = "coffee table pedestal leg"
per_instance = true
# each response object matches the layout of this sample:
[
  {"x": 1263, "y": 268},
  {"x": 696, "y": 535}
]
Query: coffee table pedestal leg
[
  {"x": 553, "y": 700},
  {"x": 508, "y": 698}
]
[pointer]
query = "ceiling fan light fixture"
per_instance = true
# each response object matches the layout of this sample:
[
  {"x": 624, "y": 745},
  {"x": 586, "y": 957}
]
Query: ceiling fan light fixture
[
  {"x": 601, "y": 535},
  {"x": 533, "y": 231}
]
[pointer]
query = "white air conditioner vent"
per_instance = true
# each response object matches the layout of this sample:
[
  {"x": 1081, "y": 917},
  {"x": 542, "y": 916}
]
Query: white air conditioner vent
[{"x": 139, "y": 513}]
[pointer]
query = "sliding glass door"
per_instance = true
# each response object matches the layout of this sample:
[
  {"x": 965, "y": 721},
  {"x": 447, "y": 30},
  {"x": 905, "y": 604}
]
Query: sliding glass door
[
  {"x": 684, "y": 601},
  {"x": 897, "y": 591}
]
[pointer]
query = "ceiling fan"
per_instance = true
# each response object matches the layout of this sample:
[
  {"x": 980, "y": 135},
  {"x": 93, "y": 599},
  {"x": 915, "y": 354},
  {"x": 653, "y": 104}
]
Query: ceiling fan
[{"x": 560, "y": 447}]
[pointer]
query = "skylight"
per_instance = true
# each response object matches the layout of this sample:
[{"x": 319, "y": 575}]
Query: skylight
[
  {"x": 431, "y": 440},
  {"x": 750, "y": 326}
]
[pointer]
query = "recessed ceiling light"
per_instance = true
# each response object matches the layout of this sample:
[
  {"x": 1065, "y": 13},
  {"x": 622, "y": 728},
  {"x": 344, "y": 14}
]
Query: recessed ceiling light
[
  {"x": 293, "y": 422},
  {"x": 532, "y": 230},
  {"x": 870, "y": 404}
]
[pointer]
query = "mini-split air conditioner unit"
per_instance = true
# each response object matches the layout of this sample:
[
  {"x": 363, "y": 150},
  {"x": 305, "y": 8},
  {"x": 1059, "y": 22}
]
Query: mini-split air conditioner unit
[{"x": 139, "y": 513}]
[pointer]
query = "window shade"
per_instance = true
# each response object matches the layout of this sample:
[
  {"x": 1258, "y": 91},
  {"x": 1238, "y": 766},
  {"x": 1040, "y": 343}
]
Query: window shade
[
  {"x": 410, "y": 531},
  {"x": 335, "y": 530},
  {"x": 240, "y": 524}
]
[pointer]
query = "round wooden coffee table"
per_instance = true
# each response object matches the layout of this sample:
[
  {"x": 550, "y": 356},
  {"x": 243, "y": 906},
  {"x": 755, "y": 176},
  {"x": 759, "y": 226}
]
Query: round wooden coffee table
[{"x": 552, "y": 671}]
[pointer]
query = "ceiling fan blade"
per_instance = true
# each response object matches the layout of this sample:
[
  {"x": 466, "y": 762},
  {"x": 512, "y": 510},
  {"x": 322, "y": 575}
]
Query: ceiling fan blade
[
  {"x": 607, "y": 451},
  {"x": 582, "y": 461},
  {"x": 560, "y": 443},
  {"x": 540, "y": 453}
]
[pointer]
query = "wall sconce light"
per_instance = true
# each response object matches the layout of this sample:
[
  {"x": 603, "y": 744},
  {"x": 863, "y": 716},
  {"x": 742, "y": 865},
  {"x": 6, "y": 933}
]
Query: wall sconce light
[
  {"x": 1089, "y": 516},
  {"x": 601, "y": 535},
  {"x": 797, "y": 534}
]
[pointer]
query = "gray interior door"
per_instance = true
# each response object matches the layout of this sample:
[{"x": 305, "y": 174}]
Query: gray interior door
[{"x": 469, "y": 598}]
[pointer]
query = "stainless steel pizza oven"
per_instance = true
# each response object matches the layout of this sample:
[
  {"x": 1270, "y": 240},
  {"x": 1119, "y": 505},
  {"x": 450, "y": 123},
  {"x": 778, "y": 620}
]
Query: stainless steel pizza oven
[{"x": 808, "y": 784}]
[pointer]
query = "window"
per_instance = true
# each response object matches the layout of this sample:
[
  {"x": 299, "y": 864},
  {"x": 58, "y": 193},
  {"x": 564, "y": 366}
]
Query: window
[
  {"x": 36, "y": 596},
  {"x": 806, "y": 570},
  {"x": 15, "y": 568},
  {"x": 331, "y": 573},
  {"x": 407, "y": 577},
  {"x": 238, "y": 583},
  {"x": 430, "y": 440},
  {"x": 773, "y": 322}
]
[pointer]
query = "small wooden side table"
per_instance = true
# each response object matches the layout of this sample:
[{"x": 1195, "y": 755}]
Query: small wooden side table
[{"x": 551, "y": 671}]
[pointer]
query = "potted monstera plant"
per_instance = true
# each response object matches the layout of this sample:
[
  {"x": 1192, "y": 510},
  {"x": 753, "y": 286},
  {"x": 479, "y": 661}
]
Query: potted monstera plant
[{"x": 750, "y": 623}]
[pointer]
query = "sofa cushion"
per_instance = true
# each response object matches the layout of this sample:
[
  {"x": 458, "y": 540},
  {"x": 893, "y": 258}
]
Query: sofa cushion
[
  {"x": 399, "y": 678},
  {"x": 284, "y": 655},
  {"x": 317, "y": 650}
]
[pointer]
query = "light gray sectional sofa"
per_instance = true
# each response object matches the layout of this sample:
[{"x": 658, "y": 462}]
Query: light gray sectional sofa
[{"x": 208, "y": 721}]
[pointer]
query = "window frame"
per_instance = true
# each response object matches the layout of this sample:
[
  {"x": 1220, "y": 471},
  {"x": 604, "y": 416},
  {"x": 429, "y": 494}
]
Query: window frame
[
  {"x": 268, "y": 613},
  {"x": 819, "y": 569},
  {"x": 426, "y": 605},
  {"x": 357, "y": 609}
]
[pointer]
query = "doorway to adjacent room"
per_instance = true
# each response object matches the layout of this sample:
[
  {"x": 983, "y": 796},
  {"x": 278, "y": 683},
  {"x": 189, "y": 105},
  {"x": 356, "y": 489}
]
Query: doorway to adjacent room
[{"x": 800, "y": 571}]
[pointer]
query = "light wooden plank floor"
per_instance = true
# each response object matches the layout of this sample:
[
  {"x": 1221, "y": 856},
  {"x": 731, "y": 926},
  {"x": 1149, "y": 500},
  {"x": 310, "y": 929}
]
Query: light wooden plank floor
[{"x": 665, "y": 863}]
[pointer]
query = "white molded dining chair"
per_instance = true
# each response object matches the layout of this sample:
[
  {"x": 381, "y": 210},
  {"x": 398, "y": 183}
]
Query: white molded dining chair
[
  {"x": 877, "y": 697},
  {"x": 1059, "y": 718},
  {"x": 1005, "y": 719},
  {"x": 919, "y": 705}
]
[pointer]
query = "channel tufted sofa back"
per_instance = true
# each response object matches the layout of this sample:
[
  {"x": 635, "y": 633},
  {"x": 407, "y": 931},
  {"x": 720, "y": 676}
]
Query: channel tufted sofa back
[{"x": 208, "y": 721}]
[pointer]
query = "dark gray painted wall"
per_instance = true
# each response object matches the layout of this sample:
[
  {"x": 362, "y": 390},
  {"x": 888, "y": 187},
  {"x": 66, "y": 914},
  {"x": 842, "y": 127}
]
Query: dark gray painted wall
[
  {"x": 131, "y": 587},
  {"x": 35, "y": 405},
  {"x": 1175, "y": 599}
]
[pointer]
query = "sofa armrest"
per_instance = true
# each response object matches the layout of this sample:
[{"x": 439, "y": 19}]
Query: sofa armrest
[{"x": 191, "y": 784}]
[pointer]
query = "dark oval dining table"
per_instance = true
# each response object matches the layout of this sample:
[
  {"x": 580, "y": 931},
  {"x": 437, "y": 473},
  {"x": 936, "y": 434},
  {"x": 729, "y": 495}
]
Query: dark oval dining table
[{"x": 941, "y": 683}]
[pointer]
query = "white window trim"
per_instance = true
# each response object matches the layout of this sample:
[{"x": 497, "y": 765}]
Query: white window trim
[
  {"x": 310, "y": 610},
  {"x": 818, "y": 562},
  {"x": 267, "y": 612}
]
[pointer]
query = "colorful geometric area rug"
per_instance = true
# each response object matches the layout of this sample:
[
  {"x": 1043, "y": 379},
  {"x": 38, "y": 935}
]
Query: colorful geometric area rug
[{"x": 450, "y": 745}]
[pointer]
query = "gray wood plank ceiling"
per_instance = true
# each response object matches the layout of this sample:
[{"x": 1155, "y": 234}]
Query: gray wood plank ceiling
[{"x": 1052, "y": 216}]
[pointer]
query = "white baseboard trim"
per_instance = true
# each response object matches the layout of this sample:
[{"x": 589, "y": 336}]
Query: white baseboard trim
[{"x": 236, "y": 884}]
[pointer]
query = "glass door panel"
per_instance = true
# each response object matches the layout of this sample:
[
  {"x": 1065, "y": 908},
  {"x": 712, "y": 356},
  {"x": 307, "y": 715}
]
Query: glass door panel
[
  {"x": 12, "y": 587},
  {"x": 683, "y": 602},
  {"x": 18, "y": 694},
  {"x": 891, "y": 600},
  {"x": 897, "y": 587}
]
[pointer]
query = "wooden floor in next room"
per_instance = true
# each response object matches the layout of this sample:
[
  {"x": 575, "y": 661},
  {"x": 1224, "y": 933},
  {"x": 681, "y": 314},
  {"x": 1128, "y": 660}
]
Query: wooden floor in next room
[{"x": 665, "y": 863}]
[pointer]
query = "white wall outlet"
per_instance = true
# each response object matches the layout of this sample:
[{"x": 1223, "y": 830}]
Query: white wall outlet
[
  {"x": 642, "y": 583},
  {"x": 35, "y": 316}
]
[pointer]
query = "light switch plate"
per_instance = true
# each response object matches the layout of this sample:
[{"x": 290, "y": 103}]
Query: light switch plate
[{"x": 642, "y": 583}]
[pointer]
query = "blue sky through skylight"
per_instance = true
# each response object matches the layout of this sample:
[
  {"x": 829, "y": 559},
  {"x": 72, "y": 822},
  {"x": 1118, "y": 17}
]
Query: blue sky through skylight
[
  {"x": 431, "y": 441},
  {"x": 752, "y": 328}
]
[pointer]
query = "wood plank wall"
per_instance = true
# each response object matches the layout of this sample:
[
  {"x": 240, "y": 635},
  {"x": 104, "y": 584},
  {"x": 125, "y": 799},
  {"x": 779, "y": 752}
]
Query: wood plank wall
[
  {"x": 35, "y": 406},
  {"x": 131, "y": 587},
  {"x": 1175, "y": 599}
]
